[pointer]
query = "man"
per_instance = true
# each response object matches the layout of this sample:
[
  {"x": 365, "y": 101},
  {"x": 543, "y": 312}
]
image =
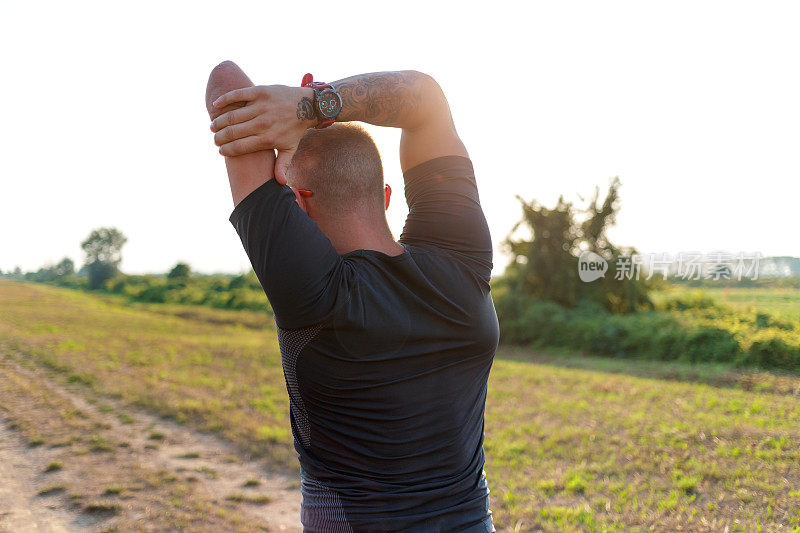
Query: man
[{"x": 386, "y": 345}]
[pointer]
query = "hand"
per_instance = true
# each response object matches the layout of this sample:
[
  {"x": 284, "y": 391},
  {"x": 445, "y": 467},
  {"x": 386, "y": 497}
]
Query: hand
[{"x": 274, "y": 116}]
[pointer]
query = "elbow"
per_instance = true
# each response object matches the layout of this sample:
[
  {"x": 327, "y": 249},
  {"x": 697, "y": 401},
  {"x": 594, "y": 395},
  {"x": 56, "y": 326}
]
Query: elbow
[
  {"x": 422, "y": 77},
  {"x": 225, "y": 77},
  {"x": 428, "y": 86},
  {"x": 430, "y": 96}
]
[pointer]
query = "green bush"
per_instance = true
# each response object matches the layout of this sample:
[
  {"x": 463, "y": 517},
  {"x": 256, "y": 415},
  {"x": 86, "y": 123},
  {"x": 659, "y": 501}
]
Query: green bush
[
  {"x": 692, "y": 329},
  {"x": 770, "y": 349},
  {"x": 669, "y": 343},
  {"x": 709, "y": 343},
  {"x": 218, "y": 291}
]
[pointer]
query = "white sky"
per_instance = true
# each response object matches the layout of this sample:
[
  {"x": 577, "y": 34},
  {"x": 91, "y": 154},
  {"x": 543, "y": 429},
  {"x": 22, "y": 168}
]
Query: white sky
[{"x": 693, "y": 104}]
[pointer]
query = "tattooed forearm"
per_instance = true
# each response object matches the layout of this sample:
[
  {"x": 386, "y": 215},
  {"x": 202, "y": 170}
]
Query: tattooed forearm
[
  {"x": 305, "y": 109},
  {"x": 384, "y": 98}
]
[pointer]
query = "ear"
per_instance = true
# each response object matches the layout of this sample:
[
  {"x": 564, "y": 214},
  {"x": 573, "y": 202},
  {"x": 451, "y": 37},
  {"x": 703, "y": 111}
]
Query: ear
[
  {"x": 301, "y": 201},
  {"x": 387, "y": 190}
]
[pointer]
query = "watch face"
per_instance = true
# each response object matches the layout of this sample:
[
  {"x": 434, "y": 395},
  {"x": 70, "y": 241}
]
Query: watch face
[{"x": 329, "y": 103}]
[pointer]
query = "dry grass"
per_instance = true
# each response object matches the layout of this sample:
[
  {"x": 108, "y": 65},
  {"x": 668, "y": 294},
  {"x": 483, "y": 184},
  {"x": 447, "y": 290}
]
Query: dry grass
[
  {"x": 99, "y": 484},
  {"x": 239, "y": 497},
  {"x": 216, "y": 374}
]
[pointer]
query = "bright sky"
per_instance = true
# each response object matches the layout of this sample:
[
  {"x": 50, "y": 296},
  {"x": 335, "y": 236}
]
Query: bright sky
[{"x": 694, "y": 105}]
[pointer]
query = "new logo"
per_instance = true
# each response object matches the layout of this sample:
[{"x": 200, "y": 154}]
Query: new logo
[{"x": 591, "y": 266}]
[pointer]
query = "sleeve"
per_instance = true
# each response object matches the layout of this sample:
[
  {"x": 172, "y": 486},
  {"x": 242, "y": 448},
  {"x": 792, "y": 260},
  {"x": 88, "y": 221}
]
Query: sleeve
[
  {"x": 298, "y": 267},
  {"x": 445, "y": 211}
]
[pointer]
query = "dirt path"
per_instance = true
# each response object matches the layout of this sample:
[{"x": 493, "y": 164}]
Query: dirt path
[
  {"x": 20, "y": 509},
  {"x": 149, "y": 456}
]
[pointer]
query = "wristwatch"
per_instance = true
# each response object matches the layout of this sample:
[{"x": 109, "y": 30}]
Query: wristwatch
[{"x": 327, "y": 102}]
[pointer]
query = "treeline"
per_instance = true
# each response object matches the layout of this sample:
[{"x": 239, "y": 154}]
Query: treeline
[
  {"x": 100, "y": 272},
  {"x": 689, "y": 328},
  {"x": 219, "y": 291},
  {"x": 179, "y": 286}
]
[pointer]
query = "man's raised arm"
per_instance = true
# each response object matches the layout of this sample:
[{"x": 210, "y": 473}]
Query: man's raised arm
[
  {"x": 408, "y": 100},
  {"x": 276, "y": 116},
  {"x": 294, "y": 261},
  {"x": 246, "y": 172}
]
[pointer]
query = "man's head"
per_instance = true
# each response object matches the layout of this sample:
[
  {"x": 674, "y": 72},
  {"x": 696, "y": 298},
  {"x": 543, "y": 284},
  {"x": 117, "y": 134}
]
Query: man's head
[{"x": 342, "y": 168}]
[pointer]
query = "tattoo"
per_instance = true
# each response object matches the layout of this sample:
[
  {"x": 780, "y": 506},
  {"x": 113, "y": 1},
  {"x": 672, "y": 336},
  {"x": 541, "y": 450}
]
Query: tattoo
[
  {"x": 305, "y": 109},
  {"x": 382, "y": 98}
]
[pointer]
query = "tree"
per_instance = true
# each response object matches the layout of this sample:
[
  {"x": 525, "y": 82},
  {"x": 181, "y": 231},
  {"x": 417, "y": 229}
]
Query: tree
[
  {"x": 180, "y": 271},
  {"x": 65, "y": 267},
  {"x": 248, "y": 279},
  {"x": 105, "y": 245},
  {"x": 545, "y": 265},
  {"x": 103, "y": 248},
  {"x": 100, "y": 272}
]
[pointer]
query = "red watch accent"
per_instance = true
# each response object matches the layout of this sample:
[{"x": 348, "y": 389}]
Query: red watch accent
[{"x": 308, "y": 81}]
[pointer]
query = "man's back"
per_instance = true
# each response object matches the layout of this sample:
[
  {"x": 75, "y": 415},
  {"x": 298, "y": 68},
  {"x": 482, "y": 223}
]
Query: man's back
[{"x": 387, "y": 370}]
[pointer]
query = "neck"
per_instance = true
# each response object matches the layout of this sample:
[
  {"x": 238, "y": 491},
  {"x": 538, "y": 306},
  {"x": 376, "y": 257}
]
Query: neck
[{"x": 354, "y": 232}]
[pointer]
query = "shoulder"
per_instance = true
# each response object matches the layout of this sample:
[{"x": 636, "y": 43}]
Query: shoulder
[{"x": 440, "y": 168}]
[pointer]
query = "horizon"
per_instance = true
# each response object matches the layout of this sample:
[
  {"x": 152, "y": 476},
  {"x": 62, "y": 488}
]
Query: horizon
[{"x": 692, "y": 106}]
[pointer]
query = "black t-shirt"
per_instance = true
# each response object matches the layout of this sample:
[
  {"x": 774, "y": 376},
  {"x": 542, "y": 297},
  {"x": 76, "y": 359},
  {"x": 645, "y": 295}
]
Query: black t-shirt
[{"x": 386, "y": 358}]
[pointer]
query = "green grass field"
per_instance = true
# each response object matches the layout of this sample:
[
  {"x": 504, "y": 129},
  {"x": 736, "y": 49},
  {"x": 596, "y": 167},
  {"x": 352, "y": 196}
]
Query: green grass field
[
  {"x": 572, "y": 443},
  {"x": 784, "y": 301}
]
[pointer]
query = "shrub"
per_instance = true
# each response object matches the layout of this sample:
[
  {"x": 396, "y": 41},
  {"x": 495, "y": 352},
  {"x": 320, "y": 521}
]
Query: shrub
[
  {"x": 709, "y": 343},
  {"x": 669, "y": 343},
  {"x": 691, "y": 329},
  {"x": 771, "y": 349}
]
